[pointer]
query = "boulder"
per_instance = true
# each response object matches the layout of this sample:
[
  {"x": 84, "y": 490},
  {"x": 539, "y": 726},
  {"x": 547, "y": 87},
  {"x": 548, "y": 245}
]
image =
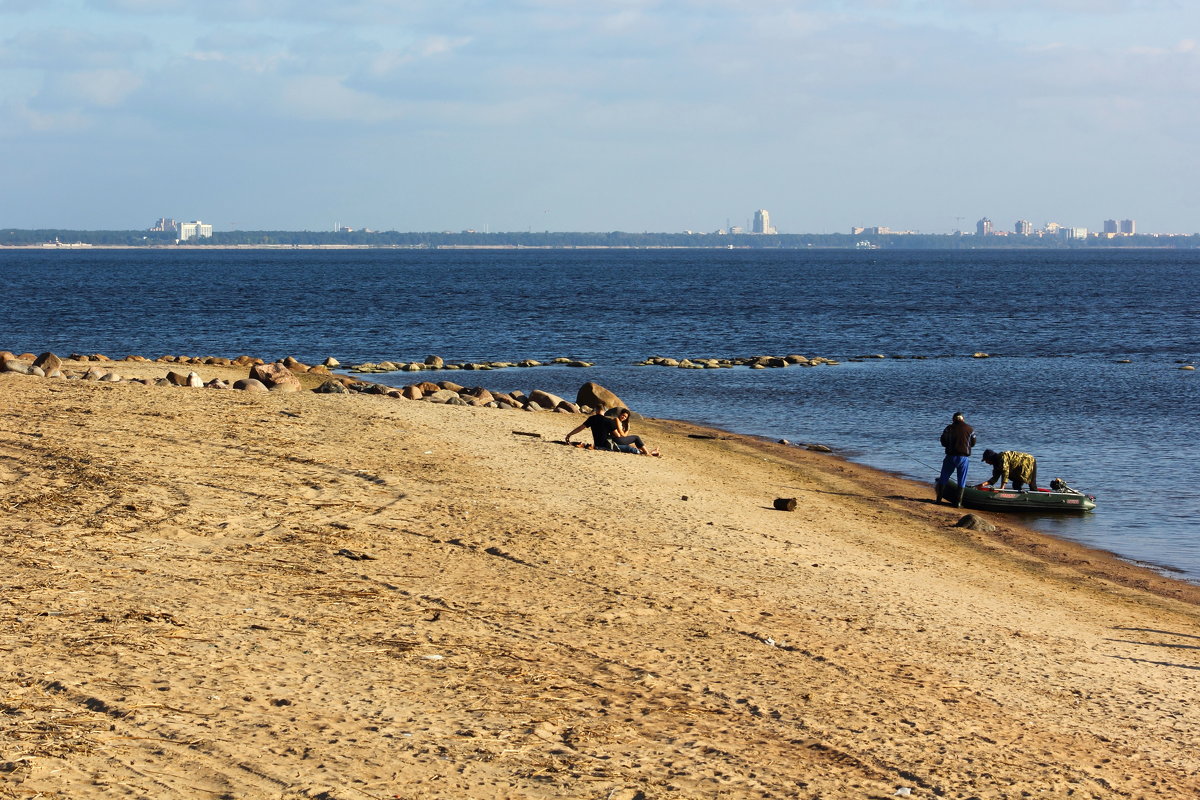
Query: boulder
[
  {"x": 434, "y": 362},
  {"x": 331, "y": 387},
  {"x": 194, "y": 380},
  {"x": 975, "y": 523},
  {"x": 427, "y": 387},
  {"x": 479, "y": 393},
  {"x": 595, "y": 396},
  {"x": 442, "y": 396},
  {"x": 319, "y": 369},
  {"x": 176, "y": 379},
  {"x": 276, "y": 377},
  {"x": 13, "y": 365},
  {"x": 331, "y": 363},
  {"x": 412, "y": 393},
  {"x": 412, "y": 366},
  {"x": 250, "y": 385},
  {"x": 451, "y": 385},
  {"x": 48, "y": 362},
  {"x": 544, "y": 399},
  {"x": 216, "y": 383}
]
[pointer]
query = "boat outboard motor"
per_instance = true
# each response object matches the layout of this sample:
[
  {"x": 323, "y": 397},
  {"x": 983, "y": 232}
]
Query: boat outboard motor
[{"x": 1059, "y": 485}]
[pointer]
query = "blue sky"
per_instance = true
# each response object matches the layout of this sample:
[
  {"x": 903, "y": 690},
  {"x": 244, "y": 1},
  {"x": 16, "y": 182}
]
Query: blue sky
[{"x": 636, "y": 115}]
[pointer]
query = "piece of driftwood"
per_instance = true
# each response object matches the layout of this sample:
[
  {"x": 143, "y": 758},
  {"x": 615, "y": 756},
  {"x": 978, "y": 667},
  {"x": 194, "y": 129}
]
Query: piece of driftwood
[
  {"x": 785, "y": 503},
  {"x": 527, "y": 433}
]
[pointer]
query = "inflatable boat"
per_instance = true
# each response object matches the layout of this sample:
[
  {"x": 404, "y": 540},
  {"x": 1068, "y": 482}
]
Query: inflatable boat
[{"x": 1043, "y": 500}]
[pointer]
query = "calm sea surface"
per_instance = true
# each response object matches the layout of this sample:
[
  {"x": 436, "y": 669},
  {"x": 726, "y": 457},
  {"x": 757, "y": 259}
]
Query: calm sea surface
[{"x": 1055, "y": 323}]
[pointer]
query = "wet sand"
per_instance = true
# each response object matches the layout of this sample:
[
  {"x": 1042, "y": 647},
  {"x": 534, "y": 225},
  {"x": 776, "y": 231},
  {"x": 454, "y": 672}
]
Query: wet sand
[{"x": 217, "y": 594}]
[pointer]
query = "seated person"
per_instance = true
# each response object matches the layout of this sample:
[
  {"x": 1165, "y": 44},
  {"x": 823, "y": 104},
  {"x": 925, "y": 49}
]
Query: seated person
[
  {"x": 604, "y": 428},
  {"x": 609, "y": 432},
  {"x": 624, "y": 439},
  {"x": 1020, "y": 467}
]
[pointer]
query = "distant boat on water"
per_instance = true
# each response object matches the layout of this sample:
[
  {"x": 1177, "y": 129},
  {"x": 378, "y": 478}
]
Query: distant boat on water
[{"x": 57, "y": 243}]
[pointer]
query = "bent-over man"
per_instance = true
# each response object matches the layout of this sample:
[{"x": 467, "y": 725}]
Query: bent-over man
[{"x": 1021, "y": 468}]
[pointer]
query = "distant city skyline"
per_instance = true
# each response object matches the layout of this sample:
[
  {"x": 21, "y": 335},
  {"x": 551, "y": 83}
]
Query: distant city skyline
[{"x": 633, "y": 116}]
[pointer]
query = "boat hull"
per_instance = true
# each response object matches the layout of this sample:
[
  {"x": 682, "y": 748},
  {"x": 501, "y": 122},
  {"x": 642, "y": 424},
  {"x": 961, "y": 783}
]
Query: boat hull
[{"x": 1026, "y": 501}]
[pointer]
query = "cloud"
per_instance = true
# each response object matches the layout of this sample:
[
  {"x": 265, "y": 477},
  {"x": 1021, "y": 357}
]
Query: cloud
[{"x": 55, "y": 49}]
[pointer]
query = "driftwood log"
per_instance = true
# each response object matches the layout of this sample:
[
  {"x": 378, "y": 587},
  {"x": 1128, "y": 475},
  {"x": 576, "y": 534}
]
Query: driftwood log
[{"x": 785, "y": 503}]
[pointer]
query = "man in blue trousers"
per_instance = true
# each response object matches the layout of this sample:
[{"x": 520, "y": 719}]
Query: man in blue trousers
[{"x": 958, "y": 438}]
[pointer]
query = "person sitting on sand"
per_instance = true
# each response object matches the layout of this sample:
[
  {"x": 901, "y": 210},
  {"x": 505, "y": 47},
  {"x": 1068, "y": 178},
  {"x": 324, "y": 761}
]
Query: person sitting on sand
[
  {"x": 623, "y": 437},
  {"x": 610, "y": 433},
  {"x": 1021, "y": 467},
  {"x": 603, "y": 427}
]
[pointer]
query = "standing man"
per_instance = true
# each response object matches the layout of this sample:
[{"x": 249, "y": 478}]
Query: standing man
[{"x": 958, "y": 438}]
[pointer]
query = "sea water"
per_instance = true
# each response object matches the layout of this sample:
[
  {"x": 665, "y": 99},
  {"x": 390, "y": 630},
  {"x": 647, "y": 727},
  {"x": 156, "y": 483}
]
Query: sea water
[{"x": 1085, "y": 346}]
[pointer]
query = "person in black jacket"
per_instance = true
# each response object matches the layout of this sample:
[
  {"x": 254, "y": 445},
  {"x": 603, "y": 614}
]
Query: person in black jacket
[{"x": 957, "y": 438}]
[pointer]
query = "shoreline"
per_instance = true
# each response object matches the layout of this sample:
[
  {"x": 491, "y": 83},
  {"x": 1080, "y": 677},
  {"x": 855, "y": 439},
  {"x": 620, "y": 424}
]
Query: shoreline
[
  {"x": 1104, "y": 564},
  {"x": 220, "y": 593}
]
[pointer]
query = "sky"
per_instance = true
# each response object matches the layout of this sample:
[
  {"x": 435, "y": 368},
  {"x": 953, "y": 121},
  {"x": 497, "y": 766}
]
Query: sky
[{"x": 599, "y": 115}]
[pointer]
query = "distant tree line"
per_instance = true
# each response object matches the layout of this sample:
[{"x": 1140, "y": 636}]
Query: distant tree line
[{"x": 620, "y": 239}]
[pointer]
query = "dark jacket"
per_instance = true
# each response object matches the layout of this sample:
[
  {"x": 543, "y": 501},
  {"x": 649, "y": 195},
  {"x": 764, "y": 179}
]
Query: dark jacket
[{"x": 958, "y": 438}]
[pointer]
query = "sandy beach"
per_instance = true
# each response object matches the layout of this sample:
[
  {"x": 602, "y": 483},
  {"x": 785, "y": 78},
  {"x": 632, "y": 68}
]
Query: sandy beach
[{"x": 219, "y": 594}]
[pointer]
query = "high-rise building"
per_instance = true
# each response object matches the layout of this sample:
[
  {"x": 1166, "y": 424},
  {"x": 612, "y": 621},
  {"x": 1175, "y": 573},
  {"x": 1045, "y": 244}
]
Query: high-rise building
[
  {"x": 1128, "y": 226},
  {"x": 164, "y": 225},
  {"x": 983, "y": 227},
  {"x": 1023, "y": 228},
  {"x": 762, "y": 222},
  {"x": 1111, "y": 226},
  {"x": 194, "y": 230}
]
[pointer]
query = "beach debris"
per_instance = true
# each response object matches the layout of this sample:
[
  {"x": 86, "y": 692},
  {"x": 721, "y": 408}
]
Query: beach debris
[
  {"x": 332, "y": 387},
  {"x": 980, "y": 355},
  {"x": 626, "y": 794},
  {"x": 354, "y": 555},
  {"x": 975, "y": 523},
  {"x": 785, "y": 504},
  {"x": 818, "y": 448},
  {"x": 527, "y": 433},
  {"x": 903, "y": 791},
  {"x": 702, "y": 436},
  {"x": 783, "y": 441}
]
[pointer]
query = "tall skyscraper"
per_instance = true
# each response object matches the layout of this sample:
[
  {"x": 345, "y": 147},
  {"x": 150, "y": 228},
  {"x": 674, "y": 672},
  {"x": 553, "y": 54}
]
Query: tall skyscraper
[
  {"x": 983, "y": 227},
  {"x": 762, "y": 222},
  {"x": 1023, "y": 228},
  {"x": 1128, "y": 226}
]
